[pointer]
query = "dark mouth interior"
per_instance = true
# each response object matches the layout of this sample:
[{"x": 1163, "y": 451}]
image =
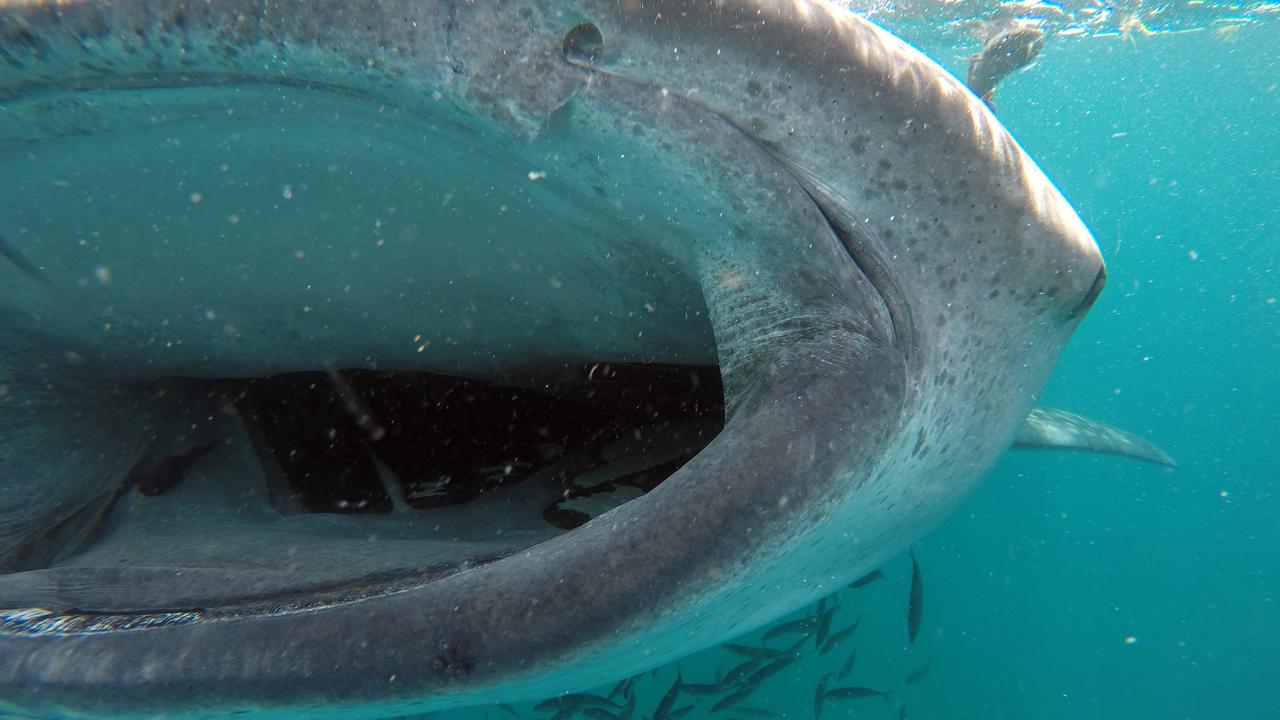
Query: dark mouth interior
[{"x": 361, "y": 441}]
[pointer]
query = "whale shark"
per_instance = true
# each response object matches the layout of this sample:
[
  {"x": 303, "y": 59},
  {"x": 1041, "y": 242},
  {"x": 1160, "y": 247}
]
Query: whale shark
[{"x": 365, "y": 359}]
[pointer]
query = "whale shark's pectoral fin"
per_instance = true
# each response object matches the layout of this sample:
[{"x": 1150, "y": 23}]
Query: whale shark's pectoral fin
[{"x": 1052, "y": 429}]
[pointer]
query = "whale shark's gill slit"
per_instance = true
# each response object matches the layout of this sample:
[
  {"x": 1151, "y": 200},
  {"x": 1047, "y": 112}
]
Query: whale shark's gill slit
[{"x": 858, "y": 240}]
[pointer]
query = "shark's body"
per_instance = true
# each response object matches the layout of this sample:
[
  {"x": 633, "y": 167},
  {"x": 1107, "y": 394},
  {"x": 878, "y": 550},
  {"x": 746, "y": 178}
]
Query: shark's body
[{"x": 233, "y": 189}]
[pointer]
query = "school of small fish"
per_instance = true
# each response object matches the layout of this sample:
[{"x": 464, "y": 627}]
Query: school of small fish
[{"x": 745, "y": 668}]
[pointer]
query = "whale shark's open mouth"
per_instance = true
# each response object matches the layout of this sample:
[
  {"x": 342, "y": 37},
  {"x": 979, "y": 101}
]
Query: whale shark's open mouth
[{"x": 357, "y": 361}]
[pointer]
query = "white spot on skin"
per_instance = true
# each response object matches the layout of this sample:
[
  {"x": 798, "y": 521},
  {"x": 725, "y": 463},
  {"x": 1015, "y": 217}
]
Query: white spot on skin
[
  {"x": 536, "y": 175},
  {"x": 1130, "y": 640}
]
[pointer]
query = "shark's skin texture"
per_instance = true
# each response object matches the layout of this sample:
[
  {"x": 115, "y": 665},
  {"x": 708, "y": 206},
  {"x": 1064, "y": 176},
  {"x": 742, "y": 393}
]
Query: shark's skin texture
[{"x": 888, "y": 279}]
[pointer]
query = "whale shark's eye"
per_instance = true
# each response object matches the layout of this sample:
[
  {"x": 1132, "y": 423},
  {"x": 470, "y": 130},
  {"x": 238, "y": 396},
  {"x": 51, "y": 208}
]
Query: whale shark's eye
[{"x": 583, "y": 44}]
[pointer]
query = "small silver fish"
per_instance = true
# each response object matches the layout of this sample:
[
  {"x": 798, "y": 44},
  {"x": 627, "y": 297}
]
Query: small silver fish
[
  {"x": 854, "y": 692},
  {"x": 915, "y": 601},
  {"x": 1009, "y": 48}
]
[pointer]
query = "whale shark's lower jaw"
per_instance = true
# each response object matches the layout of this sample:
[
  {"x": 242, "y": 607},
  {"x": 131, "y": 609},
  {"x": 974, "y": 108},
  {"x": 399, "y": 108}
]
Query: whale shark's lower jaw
[{"x": 404, "y": 393}]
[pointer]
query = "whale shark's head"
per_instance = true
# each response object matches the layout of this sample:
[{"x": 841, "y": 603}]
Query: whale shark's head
[{"x": 425, "y": 354}]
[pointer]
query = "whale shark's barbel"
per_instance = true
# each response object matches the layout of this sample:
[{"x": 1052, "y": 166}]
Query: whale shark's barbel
[{"x": 540, "y": 342}]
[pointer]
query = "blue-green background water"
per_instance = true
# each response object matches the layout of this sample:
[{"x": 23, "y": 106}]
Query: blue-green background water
[{"x": 1074, "y": 586}]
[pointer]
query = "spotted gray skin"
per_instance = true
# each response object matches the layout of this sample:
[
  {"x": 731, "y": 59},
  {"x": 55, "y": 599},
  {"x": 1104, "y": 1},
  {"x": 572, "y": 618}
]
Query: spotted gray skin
[{"x": 884, "y": 277}]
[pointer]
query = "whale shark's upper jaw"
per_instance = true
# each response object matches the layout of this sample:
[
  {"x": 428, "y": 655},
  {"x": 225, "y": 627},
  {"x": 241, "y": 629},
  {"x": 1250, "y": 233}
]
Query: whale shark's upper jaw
[{"x": 325, "y": 336}]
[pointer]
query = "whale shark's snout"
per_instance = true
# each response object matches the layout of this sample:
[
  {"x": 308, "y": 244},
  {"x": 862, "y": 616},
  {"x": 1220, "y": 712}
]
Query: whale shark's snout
[{"x": 394, "y": 358}]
